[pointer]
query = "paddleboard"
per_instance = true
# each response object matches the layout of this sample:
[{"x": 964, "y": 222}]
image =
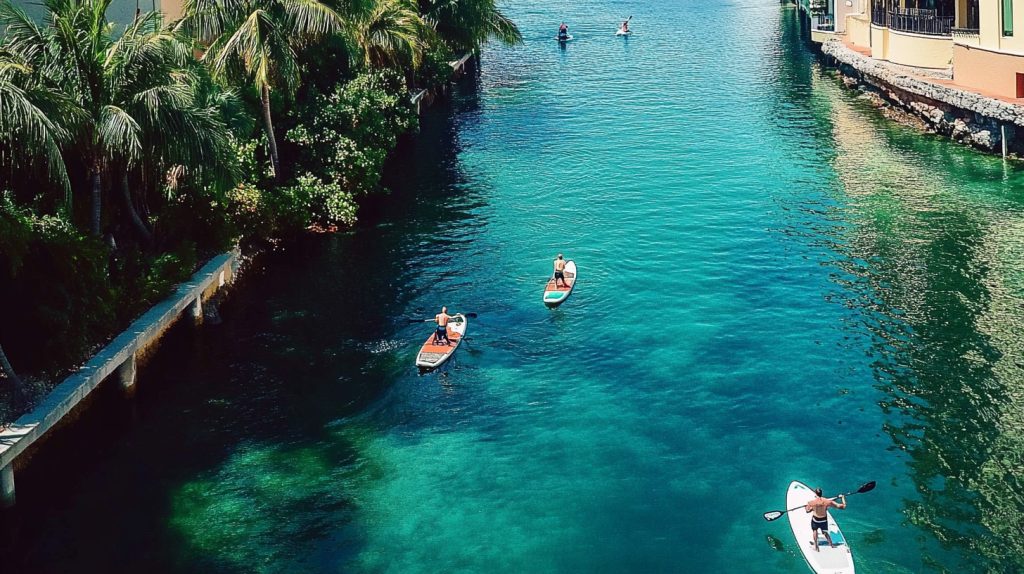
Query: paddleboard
[
  {"x": 432, "y": 356},
  {"x": 826, "y": 560},
  {"x": 556, "y": 295},
  {"x": 619, "y": 32},
  {"x": 566, "y": 39}
]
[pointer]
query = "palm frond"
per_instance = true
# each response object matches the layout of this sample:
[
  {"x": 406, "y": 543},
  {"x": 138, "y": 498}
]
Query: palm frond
[{"x": 118, "y": 134}]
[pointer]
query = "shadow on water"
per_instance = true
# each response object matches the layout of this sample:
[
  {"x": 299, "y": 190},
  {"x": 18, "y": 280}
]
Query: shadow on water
[{"x": 230, "y": 430}]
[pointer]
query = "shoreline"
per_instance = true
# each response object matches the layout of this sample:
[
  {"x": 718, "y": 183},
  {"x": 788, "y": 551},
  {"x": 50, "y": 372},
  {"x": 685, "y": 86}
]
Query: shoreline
[
  {"x": 931, "y": 104},
  {"x": 122, "y": 356},
  {"x": 119, "y": 359}
]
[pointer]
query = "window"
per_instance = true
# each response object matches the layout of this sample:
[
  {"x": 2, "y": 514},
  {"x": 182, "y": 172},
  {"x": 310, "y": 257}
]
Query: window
[{"x": 1007, "y": 17}]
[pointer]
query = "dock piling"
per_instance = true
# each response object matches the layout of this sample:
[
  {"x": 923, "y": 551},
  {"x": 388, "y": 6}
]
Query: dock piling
[
  {"x": 196, "y": 309},
  {"x": 126, "y": 373},
  {"x": 7, "y": 486}
]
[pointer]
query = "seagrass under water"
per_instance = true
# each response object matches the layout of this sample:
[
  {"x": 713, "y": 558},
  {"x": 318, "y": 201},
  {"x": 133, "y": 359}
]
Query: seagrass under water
[{"x": 777, "y": 285}]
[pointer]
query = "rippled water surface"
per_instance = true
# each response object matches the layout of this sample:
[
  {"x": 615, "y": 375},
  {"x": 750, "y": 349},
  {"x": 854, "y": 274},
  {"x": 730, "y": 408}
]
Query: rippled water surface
[{"x": 775, "y": 284}]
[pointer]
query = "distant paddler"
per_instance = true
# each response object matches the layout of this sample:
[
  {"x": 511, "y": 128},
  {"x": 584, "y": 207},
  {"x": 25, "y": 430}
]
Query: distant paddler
[
  {"x": 624, "y": 28},
  {"x": 563, "y": 32}
]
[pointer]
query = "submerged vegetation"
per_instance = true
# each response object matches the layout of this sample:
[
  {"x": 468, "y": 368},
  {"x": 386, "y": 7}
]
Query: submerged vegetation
[{"x": 131, "y": 151}]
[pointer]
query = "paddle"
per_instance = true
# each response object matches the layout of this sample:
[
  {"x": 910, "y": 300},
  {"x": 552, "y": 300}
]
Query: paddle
[
  {"x": 627, "y": 21},
  {"x": 776, "y": 514},
  {"x": 432, "y": 319}
]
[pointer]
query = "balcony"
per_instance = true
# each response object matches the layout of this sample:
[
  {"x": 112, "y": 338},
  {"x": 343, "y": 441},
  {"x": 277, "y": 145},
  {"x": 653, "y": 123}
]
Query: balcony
[
  {"x": 970, "y": 27},
  {"x": 823, "y": 23},
  {"x": 913, "y": 20}
]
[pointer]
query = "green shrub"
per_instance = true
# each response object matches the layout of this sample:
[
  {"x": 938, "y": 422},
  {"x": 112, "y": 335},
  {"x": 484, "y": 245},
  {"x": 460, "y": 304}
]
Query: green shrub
[
  {"x": 435, "y": 70},
  {"x": 56, "y": 298},
  {"x": 345, "y": 136},
  {"x": 326, "y": 204}
]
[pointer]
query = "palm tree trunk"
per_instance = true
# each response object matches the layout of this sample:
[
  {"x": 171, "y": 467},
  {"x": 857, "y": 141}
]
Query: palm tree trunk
[
  {"x": 8, "y": 370},
  {"x": 97, "y": 200},
  {"x": 140, "y": 225},
  {"x": 268, "y": 126}
]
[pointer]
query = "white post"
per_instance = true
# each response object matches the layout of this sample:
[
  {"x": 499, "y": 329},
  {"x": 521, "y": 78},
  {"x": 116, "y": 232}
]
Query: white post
[
  {"x": 222, "y": 279},
  {"x": 196, "y": 309},
  {"x": 126, "y": 373},
  {"x": 7, "y": 486},
  {"x": 1002, "y": 132}
]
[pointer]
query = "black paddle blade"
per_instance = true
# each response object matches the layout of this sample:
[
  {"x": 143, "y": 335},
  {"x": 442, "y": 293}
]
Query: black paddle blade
[
  {"x": 773, "y": 515},
  {"x": 471, "y": 315},
  {"x": 866, "y": 488}
]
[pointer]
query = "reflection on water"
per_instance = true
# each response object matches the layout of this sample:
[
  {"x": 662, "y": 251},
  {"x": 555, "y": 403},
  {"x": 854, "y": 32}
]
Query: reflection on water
[{"x": 933, "y": 255}]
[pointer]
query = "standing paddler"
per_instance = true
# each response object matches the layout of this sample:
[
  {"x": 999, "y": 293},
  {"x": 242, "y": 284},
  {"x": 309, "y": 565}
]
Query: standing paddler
[
  {"x": 441, "y": 334},
  {"x": 818, "y": 508},
  {"x": 560, "y": 271}
]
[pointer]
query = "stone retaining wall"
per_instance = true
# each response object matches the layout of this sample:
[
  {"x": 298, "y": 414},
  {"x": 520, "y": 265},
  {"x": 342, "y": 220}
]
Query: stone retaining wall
[{"x": 966, "y": 117}]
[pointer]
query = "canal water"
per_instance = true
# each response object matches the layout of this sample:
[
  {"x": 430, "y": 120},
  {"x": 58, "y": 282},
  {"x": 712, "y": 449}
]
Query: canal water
[{"x": 775, "y": 284}]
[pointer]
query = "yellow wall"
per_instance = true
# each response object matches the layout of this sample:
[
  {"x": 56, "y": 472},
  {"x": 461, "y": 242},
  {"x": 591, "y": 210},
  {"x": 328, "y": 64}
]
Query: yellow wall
[
  {"x": 917, "y": 50},
  {"x": 879, "y": 42},
  {"x": 991, "y": 23},
  {"x": 858, "y": 30}
]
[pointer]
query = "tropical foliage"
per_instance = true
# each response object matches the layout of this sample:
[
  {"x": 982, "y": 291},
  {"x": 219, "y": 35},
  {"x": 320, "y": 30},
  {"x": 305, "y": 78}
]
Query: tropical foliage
[{"x": 130, "y": 151}]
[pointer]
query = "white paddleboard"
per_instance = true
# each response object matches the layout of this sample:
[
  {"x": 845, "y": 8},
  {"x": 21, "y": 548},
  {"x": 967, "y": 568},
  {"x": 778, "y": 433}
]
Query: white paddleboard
[
  {"x": 826, "y": 560},
  {"x": 555, "y": 295},
  {"x": 619, "y": 32},
  {"x": 566, "y": 39}
]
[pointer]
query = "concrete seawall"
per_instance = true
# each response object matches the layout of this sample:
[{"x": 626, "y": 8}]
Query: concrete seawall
[
  {"x": 971, "y": 118},
  {"x": 118, "y": 358}
]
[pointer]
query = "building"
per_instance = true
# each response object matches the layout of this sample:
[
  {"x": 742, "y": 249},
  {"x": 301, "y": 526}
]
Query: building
[
  {"x": 120, "y": 11},
  {"x": 988, "y": 47},
  {"x": 974, "y": 41}
]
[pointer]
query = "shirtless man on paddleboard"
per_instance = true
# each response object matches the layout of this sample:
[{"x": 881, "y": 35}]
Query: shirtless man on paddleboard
[
  {"x": 819, "y": 520},
  {"x": 442, "y": 327},
  {"x": 560, "y": 271}
]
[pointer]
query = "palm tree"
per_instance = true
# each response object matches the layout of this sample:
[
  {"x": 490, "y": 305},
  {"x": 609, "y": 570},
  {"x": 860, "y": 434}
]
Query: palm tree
[
  {"x": 258, "y": 40},
  {"x": 466, "y": 24},
  {"x": 125, "y": 98},
  {"x": 389, "y": 33}
]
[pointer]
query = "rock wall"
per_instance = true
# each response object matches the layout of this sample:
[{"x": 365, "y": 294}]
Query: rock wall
[{"x": 966, "y": 117}]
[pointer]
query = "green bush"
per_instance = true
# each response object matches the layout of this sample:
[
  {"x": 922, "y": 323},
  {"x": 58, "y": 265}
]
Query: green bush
[
  {"x": 435, "y": 70},
  {"x": 56, "y": 298},
  {"x": 326, "y": 204},
  {"x": 345, "y": 136}
]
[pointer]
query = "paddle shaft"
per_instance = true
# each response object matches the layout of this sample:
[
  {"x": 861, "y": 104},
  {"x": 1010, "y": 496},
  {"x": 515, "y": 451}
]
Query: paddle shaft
[
  {"x": 776, "y": 514},
  {"x": 805, "y": 506},
  {"x": 432, "y": 319}
]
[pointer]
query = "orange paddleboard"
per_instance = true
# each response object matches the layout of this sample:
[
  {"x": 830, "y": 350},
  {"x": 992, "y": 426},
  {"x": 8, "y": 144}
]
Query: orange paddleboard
[{"x": 432, "y": 355}]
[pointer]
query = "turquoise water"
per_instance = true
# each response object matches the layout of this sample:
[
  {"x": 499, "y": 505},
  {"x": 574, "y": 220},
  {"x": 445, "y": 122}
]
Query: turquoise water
[{"x": 774, "y": 284}]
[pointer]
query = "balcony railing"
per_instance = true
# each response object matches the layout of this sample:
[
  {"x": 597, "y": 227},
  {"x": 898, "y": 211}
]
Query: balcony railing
[
  {"x": 879, "y": 16},
  {"x": 916, "y": 21},
  {"x": 823, "y": 23},
  {"x": 965, "y": 32}
]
